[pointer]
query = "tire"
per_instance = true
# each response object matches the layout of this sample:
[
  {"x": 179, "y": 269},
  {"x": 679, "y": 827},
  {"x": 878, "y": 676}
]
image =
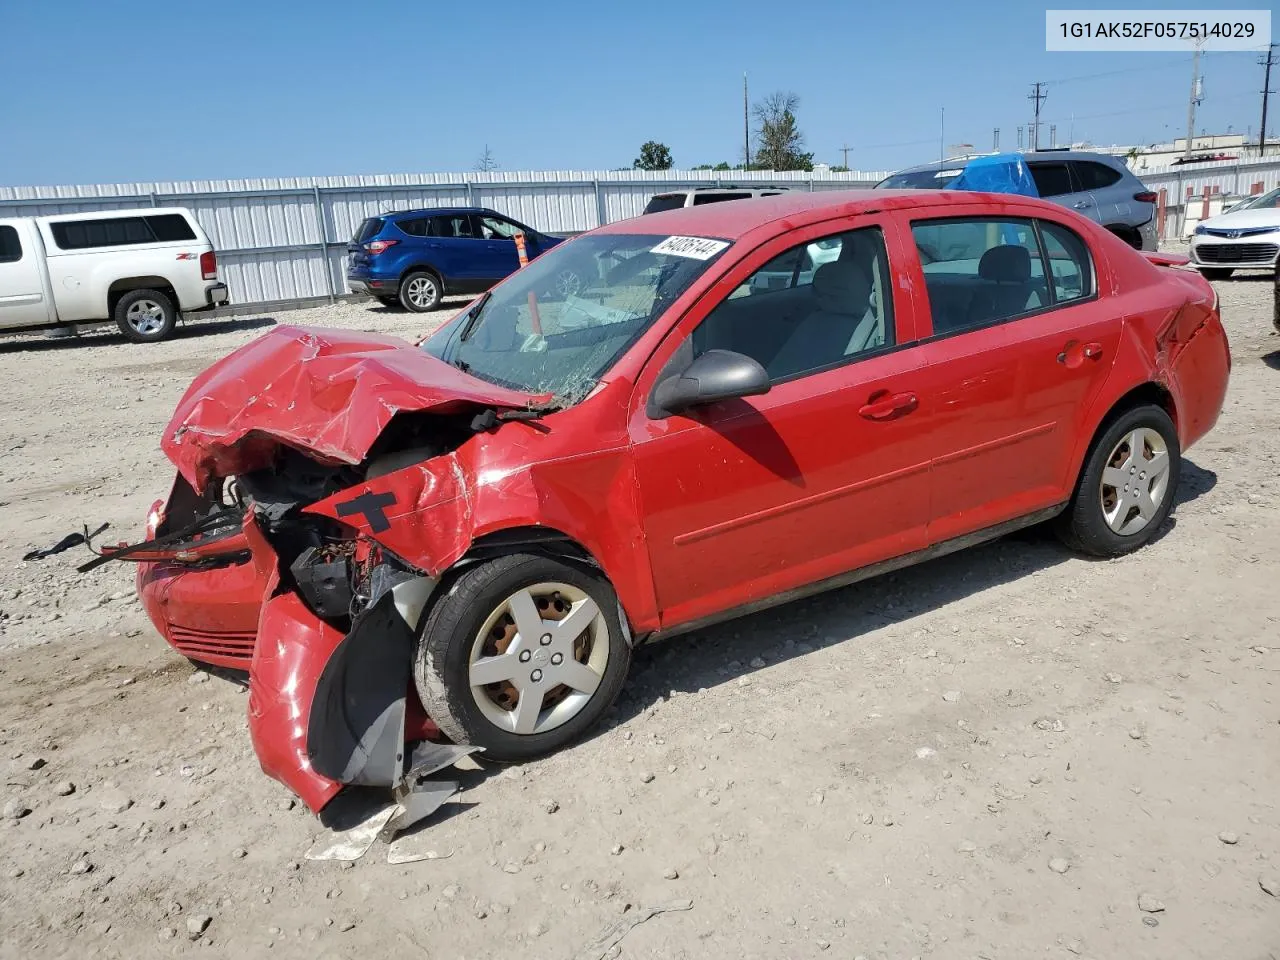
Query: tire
[
  {"x": 388, "y": 301},
  {"x": 421, "y": 291},
  {"x": 1216, "y": 273},
  {"x": 1107, "y": 519},
  {"x": 146, "y": 316},
  {"x": 474, "y": 615}
]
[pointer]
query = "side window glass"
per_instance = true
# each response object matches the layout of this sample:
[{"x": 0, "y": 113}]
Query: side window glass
[
  {"x": 1070, "y": 266},
  {"x": 979, "y": 271},
  {"x": 1052, "y": 179},
  {"x": 816, "y": 306},
  {"x": 414, "y": 228},
  {"x": 491, "y": 228},
  {"x": 1094, "y": 176},
  {"x": 701, "y": 198},
  {"x": 454, "y": 227},
  {"x": 10, "y": 245}
]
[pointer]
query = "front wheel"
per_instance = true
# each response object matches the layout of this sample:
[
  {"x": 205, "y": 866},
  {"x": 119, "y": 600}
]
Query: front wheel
[
  {"x": 1127, "y": 487},
  {"x": 420, "y": 291},
  {"x": 521, "y": 656},
  {"x": 1216, "y": 273},
  {"x": 146, "y": 316}
]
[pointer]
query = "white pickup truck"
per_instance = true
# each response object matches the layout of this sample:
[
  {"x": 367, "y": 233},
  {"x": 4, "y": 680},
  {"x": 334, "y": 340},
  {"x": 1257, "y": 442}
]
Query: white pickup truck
[{"x": 137, "y": 268}]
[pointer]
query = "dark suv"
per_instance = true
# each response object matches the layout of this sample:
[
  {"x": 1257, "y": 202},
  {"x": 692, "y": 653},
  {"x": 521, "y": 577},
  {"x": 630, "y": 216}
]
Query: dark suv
[
  {"x": 1097, "y": 185},
  {"x": 417, "y": 257}
]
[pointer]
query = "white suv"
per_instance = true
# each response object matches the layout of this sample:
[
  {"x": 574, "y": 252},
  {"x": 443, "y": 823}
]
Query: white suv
[
  {"x": 696, "y": 196},
  {"x": 136, "y": 268}
]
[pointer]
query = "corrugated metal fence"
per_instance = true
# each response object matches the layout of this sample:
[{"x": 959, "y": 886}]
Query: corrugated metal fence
[{"x": 285, "y": 239}]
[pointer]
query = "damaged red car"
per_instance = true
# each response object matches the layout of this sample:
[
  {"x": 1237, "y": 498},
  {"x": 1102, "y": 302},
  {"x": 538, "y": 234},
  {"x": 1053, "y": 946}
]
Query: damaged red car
[{"x": 741, "y": 404}]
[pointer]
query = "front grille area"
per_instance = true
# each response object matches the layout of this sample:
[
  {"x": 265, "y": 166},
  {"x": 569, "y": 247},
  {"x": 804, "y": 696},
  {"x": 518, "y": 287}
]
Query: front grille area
[
  {"x": 1236, "y": 253},
  {"x": 226, "y": 648}
]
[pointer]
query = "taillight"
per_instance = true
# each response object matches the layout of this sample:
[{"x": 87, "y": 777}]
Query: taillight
[
  {"x": 209, "y": 265},
  {"x": 378, "y": 246},
  {"x": 1146, "y": 196}
]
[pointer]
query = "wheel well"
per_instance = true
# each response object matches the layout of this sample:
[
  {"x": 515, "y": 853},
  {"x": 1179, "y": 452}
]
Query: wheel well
[
  {"x": 544, "y": 540},
  {"x": 1128, "y": 234},
  {"x": 1146, "y": 393},
  {"x": 421, "y": 266},
  {"x": 120, "y": 287}
]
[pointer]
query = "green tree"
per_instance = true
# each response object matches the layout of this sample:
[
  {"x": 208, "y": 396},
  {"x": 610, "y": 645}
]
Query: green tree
[
  {"x": 778, "y": 135},
  {"x": 722, "y": 166},
  {"x": 703, "y": 166},
  {"x": 840, "y": 169},
  {"x": 653, "y": 156}
]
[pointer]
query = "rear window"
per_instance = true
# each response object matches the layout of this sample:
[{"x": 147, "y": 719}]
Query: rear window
[
  {"x": 368, "y": 230},
  {"x": 920, "y": 180},
  {"x": 701, "y": 198},
  {"x": 1095, "y": 176},
  {"x": 10, "y": 245},
  {"x": 121, "y": 231},
  {"x": 414, "y": 228},
  {"x": 665, "y": 201},
  {"x": 1052, "y": 179}
]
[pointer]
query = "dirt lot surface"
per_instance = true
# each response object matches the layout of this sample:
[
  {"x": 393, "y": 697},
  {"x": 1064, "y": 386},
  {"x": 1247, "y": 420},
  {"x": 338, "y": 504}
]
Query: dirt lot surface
[{"x": 1008, "y": 753}]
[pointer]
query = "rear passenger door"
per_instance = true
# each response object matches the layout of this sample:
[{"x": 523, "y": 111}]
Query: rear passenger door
[
  {"x": 1017, "y": 346},
  {"x": 1109, "y": 205},
  {"x": 22, "y": 297},
  {"x": 1056, "y": 181},
  {"x": 454, "y": 250}
]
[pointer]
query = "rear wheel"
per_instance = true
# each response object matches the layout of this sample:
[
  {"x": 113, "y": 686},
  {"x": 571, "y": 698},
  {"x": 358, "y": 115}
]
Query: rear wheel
[
  {"x": 146, "y": 316},
  {"x": 521, "y": 656},
  {"x": 1127, "y": 487},
  {"x": 1216, "y": 273},
  {"x": 421, "y": 291}
]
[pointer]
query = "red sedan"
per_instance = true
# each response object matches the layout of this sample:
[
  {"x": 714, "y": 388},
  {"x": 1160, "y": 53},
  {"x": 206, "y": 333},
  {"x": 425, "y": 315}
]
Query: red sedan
[{"x": 744, "y": 403}]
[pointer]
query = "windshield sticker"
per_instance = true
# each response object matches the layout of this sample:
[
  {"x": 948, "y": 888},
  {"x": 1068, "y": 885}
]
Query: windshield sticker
[{"x": 696, "y": 248}]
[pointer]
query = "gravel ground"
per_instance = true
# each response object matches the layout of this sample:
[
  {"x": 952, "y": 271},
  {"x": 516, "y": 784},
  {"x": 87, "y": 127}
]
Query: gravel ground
[{"x": 1005, "y": 753}]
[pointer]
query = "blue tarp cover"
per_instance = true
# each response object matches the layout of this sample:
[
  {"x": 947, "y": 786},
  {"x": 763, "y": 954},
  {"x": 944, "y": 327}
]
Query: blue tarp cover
[{"x": 1001, "y": 173}]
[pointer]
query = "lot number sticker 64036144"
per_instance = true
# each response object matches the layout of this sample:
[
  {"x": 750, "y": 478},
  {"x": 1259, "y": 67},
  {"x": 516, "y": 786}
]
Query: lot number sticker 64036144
[{"x": 698, "y": 248}]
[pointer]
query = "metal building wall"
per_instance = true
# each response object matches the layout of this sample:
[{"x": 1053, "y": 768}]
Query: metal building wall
[{"x": 285, "y": 238}]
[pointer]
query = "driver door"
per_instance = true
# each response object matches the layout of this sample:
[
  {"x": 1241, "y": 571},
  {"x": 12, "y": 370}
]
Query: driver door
[
  {"x": 497, "y": 246},
  {"x": 745, "y": 499}
]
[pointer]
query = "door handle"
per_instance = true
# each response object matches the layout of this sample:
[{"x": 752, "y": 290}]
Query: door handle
[
  {"x": 1076, "y": 351},
  {"x": 1080, "y": 204},
  {"x": 883, "y": 405}
]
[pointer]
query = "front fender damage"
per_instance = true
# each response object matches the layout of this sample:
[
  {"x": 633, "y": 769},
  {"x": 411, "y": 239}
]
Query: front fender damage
[{"x": 329, "y": 710}]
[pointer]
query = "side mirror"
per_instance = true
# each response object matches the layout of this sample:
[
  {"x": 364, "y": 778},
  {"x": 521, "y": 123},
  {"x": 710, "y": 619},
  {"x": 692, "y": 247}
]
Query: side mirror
[{"x": 716, "y": 375}]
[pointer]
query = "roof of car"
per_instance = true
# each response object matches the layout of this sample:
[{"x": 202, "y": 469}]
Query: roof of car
[
  {"x": 959, "y": 163},
  {"x": 443, "y": 211},
  {"x": 732, "y": 220}
]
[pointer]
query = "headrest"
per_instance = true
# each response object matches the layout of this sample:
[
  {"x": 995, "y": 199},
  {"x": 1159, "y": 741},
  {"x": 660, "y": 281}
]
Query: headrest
[
  {"x": 1007, "y": 264},
  {"x": 841, "y": 287}
]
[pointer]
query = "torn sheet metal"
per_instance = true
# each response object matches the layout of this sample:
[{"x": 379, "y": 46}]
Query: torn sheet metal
[
  {"x": 330, "y": 392},
  {"x": 355, "y": 820}
]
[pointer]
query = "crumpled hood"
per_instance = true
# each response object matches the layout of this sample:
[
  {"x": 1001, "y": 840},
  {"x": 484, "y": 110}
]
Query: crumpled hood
[{"x": 327, "y": 392}]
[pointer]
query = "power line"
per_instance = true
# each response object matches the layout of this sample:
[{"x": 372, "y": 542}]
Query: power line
[
  {"x": 845, "y": 150},
  {"x": 1117, "y": 73}
]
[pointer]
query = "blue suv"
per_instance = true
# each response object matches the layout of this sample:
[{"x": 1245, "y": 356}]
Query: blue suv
[{"x": 417, "y": 257}]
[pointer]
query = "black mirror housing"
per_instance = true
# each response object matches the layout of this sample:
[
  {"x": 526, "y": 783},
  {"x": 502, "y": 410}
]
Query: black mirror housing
[{"x": 715, "y": 375}]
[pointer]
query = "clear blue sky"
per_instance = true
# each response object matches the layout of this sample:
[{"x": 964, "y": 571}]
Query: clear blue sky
[{"x": 94, "y": 91}]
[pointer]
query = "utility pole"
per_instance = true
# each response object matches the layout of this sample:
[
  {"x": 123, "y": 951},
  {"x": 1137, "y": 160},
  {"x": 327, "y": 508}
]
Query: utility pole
[
  {"x": 1037, "y": 98},
  {"x": 845, "y": 150},
  {"x": 995, "y": 139},
  {"x": 746, "y": 126},
  {"x": 1191, "y": 103},
  {"x": 1266, "y": 90}
]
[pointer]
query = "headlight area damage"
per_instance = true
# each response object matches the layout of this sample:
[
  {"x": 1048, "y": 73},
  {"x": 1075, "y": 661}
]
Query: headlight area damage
[{"x": 332, "y": 460}]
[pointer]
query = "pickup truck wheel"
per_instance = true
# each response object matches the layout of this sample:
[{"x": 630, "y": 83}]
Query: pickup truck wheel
[
  {"x": 420, "y": 291},
  {"x": 146, "y": 316},
  {"x": 521, "y": 655}
]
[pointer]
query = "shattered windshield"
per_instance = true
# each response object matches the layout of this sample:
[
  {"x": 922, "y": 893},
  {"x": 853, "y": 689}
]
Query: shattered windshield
[{"x": 560, "y": 323}]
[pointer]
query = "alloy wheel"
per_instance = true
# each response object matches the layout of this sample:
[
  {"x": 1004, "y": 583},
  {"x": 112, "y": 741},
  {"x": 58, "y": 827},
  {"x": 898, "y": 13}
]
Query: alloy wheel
[{"x": 1135, "y": 481}]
